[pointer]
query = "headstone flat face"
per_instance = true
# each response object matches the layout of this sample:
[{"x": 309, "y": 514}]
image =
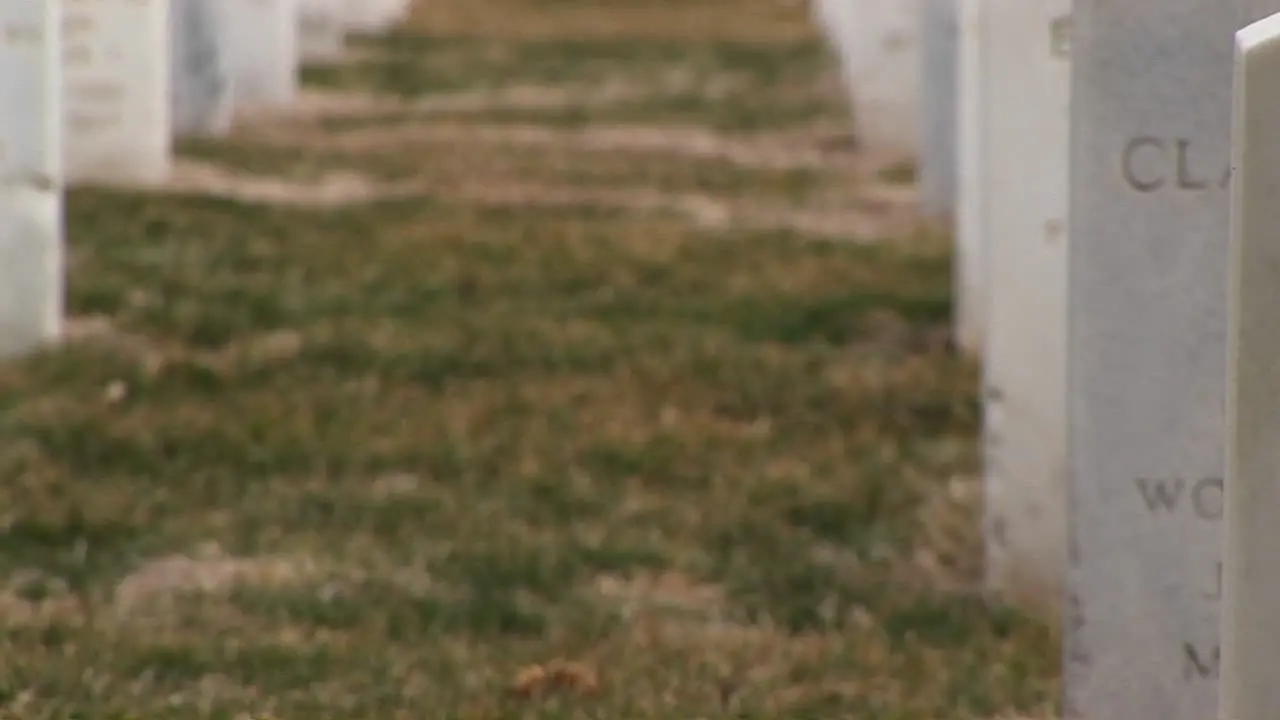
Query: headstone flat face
[
  {"x": 374, "y": 16},
  {"x": 970, "y": 305},
  {"x": 321, "y": 30},
  {"x": 116, "y": 90},
  {"x": 878, "y": 43},
  {"x": 1251, "y": 574},
  {"x": 1025, "y": 85},
  {"x": 1151, "y": 115},
  {"x": 264, "y": 41},
  {"x": 939, "y": 49},
  {"x": 201, "y": 77},
  {"x": 30, "y": 176}
]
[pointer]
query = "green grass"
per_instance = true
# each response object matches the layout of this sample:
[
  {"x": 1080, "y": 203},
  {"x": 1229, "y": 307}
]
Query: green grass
[
  {"x": 731, "y": 85},
  {"x": 388, "y": 459}
]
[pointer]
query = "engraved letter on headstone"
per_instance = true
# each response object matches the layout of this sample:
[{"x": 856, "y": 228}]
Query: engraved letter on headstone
[{"x": 1151, "y": 124}]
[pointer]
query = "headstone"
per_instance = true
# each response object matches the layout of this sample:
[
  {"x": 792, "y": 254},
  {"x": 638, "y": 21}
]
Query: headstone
[
  {"x": 31, "y": 265},
  {"x": 264, "y": 35},
  {"x": 116, "y": 90},
  {"x": 877, "y": 44},
  {"x": 201, "y": 93},
  {"x": 1150, "y": 166},
  {"x": 969, "y": 285},
  {"x": 321, "y": 30},
  {"x": 1251, "y": 575},
  {"x": 939, "y": 48},
  {"x": 1025, "y": 85},
  {"x": 375, "y": 16}
]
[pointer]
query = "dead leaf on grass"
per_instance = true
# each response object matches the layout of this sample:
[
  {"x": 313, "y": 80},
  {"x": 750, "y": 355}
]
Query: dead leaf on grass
[{"x": 556, "y": 676}]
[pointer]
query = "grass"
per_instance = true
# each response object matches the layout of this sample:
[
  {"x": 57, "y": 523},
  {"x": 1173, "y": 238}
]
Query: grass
[{"x": 453, "y": 456}]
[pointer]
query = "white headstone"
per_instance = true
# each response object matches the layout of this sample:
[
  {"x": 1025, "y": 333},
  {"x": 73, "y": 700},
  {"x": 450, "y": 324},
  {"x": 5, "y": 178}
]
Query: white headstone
[
  {"x": 1025, "y": 86},
  {"x": 969, "y": 284},
  {"x": 877, "y": 44},
  {"x": 201, "y": 91},
  {"x": 321, "y": 30},
  {"x": 375, "y": 16},
  {"x": 31, "y": 265},
  {"x": 1251, "y": 573},
  {"x": 1150, "y": 159},
  {"x": 116, "y": 90},
  {"x": 264, "y": 38},
  {"x": 939, "y": 50}
]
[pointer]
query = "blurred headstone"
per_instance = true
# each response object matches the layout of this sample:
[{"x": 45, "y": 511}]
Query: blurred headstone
[
  {"x": 264, "y": 41},
  {"x": 1025, "y": 84},
  {"x": 375, "y": 16},
  {"x": 877, "y": 41},
  {"x": 202, "y": 93},
  {"x": 31, "y": 249},
  {"x": 969, "y": 286},
  {"x": 939, "y": 51},
  {"x": 116, "y": 105},
  {"x": 321, "y": 30}
]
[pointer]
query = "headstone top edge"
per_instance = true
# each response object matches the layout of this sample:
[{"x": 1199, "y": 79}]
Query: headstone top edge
[{"x": 1256, "y": 34}]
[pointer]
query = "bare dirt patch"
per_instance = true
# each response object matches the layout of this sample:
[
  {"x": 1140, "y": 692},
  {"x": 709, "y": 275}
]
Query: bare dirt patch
[
  {"x": 764, "y": 150},
  {"x": 316, "y": 105},
  {"x": 878, "y": 212},
  {"x": 211, "y": 572},
  {"x": 331, "y": 189}
]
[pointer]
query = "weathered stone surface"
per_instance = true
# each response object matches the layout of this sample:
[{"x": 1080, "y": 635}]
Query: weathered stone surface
[{"x": 1151, "y": 116}]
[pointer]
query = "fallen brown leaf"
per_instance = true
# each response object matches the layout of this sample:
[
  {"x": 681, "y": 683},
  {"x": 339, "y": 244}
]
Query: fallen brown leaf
[{"x": 555, "y": 676}]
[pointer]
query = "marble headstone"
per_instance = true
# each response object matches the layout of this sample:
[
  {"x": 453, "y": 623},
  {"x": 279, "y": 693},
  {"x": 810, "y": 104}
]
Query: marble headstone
[
  {"x": 116, "y": 105},
  {"x": 202, "y": 98},
  {"x": 1251, "y": 572},
  {"x": 1147, "y": 350},
  {"x": 1026, "y": 83},
  {"x": 375, "y": 16},
  {"x": 321, "y": 30},
  {"x": 877, "y": 41},
  {"x": 264, "y": 41},
  {"x": 939, "y": 48},
  {"x": 31, "y": 250},
  {"x": 969, "y": 284}
]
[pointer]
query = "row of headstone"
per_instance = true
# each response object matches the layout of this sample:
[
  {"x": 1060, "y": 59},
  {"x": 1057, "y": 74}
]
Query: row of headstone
[
  {"x": 96, "y": 90},
  {"x": 1117, "y": 272}
]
